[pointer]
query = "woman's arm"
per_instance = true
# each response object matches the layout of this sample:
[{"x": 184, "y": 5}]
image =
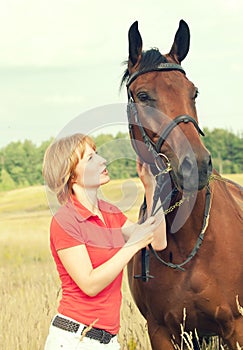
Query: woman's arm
[{"x": 92, "y": 281}]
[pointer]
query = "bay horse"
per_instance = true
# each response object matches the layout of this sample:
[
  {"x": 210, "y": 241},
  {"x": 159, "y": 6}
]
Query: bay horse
[{"x": 201, "y": 270}]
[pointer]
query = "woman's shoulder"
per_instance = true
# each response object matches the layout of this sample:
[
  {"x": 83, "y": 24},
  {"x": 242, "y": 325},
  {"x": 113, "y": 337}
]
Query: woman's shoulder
[
  {"x": 64, "y": 229},
  {"x": 109, "y": 207},
  {"x": 66, "y": 217}
]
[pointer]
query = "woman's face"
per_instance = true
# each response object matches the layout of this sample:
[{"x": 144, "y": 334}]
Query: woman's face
[{"x": 91, "y": 170}]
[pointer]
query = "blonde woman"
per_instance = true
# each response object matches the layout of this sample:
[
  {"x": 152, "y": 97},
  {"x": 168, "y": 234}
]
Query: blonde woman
[{"x": 91, "y": 242}]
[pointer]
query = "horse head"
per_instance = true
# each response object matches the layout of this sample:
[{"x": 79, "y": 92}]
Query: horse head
[{"x": 162, "y": 112}]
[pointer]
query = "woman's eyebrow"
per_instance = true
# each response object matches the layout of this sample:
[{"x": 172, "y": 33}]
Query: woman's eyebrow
[{"x": 90, "y": 154}]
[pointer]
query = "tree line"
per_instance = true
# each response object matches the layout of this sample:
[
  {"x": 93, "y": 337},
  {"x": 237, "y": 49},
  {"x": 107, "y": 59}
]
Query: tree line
[{"x": 21, "y": 162}]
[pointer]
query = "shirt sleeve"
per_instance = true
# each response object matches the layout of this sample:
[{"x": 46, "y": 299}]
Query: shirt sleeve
[{"x": 60, "y": 238}]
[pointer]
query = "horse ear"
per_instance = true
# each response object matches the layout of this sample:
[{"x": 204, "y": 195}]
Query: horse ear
[
  {"x": 181, "y": 44},
  {"x": 135, "y": 45}
]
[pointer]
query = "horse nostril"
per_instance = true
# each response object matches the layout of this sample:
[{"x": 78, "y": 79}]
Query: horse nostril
[
  {"x": 194, "y": 173},
  {"x": 186, "y": 166}
]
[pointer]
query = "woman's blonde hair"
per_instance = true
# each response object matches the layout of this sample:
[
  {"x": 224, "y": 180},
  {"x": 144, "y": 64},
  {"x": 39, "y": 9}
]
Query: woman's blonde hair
[{"x": 60, "y": 160}]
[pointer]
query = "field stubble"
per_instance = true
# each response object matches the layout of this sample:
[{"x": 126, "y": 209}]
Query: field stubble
[{"x": 29, "y": 283}]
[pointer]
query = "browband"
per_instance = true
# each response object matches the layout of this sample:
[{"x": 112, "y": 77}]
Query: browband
[{"x": 161, "y": 67}]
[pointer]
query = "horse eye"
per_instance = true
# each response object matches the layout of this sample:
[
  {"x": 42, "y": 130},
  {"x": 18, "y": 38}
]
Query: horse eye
[{"x": 143, "y": 96}]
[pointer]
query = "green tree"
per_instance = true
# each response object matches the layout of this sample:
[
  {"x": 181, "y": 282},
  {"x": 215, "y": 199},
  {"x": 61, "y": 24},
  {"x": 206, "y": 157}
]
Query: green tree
[
  {"x": 6, "y": 183},
  {"x": 14, "y": 163},
  {"x": 39, "y": 154},
  {"x": 226, "y": 149}
]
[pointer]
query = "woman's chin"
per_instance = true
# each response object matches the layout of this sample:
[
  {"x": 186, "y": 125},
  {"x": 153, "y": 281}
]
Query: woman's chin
[{"x": 104, "y": 179}]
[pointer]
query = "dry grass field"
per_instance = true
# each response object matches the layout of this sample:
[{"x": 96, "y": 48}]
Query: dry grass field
[{"x": 29, "y": 285}]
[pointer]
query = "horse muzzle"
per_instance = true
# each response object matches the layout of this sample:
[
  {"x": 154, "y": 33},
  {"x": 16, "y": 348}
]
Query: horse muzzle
[{"x": 192, "y": 174}]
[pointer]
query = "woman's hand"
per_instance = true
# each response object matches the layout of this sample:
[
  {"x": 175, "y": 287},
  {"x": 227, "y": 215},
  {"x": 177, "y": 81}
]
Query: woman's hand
[
  {"x": 142, "y": 234},
  {"x": 145, "y": 175}
]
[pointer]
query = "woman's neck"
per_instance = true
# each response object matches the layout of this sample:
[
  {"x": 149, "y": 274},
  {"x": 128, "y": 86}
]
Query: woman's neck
[{"x": 87, "y": 197}]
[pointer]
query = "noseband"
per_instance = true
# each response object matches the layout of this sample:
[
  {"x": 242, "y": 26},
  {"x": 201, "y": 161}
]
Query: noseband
[{"x": 160, "y": 160}]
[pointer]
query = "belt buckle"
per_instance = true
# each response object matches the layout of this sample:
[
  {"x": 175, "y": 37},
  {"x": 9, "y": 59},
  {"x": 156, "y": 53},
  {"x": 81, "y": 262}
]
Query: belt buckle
[{"x": 105, "y": 338}]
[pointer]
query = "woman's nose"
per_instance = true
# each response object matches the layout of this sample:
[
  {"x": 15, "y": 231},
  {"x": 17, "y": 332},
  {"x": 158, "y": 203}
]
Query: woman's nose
[{"x": 101, "y": 160}]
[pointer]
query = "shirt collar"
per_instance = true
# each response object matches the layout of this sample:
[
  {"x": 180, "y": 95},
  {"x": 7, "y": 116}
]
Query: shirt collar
[{"x": 81, "y": 212}]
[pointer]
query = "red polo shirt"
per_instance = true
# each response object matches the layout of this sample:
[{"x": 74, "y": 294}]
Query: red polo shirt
[{"x": 73, "y": 225}]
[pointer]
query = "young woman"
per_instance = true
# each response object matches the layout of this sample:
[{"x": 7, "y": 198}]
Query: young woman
[{"x": 91, "y": 242}]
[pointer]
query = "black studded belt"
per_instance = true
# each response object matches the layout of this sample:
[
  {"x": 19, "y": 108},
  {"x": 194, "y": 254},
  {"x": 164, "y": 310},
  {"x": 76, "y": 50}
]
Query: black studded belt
[{"x": 101, "y": 335}]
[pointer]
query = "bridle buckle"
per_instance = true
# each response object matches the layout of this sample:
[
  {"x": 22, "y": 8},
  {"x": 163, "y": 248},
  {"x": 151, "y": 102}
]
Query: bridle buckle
[{"x": 160, "y": 166}]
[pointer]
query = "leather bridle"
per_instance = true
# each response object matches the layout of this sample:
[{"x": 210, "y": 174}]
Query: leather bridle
[{"x": 163, "y": 165}]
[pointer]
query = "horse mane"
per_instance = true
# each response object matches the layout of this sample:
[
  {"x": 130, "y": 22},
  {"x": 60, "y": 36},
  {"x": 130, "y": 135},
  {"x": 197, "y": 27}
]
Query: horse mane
[{"x": 149, "y": 60}]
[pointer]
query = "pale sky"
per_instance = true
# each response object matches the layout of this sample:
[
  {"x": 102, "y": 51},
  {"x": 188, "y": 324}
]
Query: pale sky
[{"x": 60, "y": 58}]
